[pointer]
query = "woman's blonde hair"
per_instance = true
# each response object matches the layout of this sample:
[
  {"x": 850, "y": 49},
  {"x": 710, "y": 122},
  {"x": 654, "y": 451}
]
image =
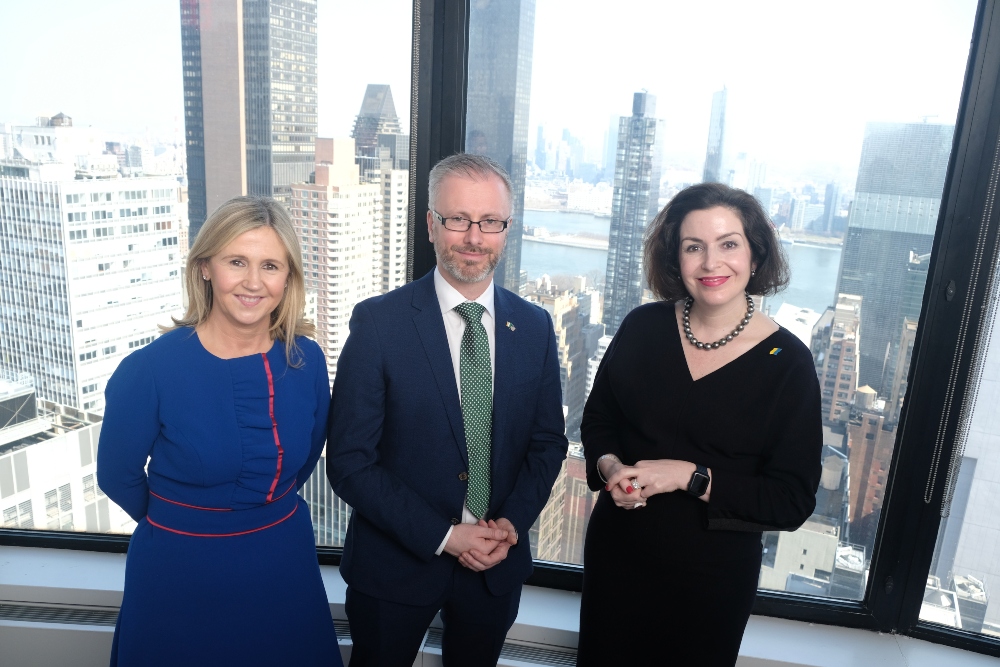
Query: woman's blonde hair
[{"x": 238, "y": 216}]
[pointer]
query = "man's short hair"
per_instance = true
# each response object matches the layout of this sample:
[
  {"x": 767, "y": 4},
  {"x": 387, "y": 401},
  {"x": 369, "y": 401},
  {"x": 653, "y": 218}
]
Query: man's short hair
[{"x": 467, "y": 165}]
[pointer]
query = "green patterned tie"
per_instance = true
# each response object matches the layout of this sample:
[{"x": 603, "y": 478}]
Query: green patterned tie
[{"x": 477, "y": 404}]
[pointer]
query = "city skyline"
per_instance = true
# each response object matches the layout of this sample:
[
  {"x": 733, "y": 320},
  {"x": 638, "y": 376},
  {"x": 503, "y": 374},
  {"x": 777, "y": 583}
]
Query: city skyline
[
  {"x": 382, "y": 224},
  {"x": 817, "y": 128}
]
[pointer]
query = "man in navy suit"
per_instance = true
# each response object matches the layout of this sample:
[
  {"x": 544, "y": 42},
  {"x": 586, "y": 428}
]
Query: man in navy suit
[{"x": 446, "y": 436}]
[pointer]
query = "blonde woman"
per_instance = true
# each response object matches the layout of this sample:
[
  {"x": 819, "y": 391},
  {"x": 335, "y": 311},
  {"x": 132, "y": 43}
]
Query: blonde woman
[{"x": 229, "y": 408}]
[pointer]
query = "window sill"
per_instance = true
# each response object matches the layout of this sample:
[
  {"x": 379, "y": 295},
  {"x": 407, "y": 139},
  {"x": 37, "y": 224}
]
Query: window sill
[{"x": 81, "y": 580}]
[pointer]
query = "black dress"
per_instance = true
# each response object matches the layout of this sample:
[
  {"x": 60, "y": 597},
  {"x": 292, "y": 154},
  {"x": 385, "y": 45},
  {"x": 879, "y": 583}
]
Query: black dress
[{"x": 673, "y": 583}]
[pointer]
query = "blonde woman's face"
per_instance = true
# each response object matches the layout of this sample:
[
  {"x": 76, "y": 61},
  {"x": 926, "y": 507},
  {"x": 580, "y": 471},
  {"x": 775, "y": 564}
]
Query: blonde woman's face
[{"x": 248, "y": 280}]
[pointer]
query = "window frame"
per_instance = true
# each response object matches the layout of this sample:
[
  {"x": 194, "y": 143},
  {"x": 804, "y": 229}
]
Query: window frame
[{"x": 964, "y": 251}]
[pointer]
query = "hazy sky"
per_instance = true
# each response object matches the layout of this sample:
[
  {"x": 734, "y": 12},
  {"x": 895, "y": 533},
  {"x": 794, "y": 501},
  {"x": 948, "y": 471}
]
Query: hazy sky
[{"x": 803, "y": 76}]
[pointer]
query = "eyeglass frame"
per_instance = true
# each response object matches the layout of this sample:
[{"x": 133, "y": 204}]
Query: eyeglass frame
[{"x": 441, "y": 219}]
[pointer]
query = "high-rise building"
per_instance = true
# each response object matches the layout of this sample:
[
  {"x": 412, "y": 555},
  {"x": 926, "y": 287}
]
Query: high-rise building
[
  {"x": 594, "y": 363},
  {"x": 831, "y": 206},
  {"x": 501, "y": 40},
  {"x": 895, "y": 211},
  {"x": 797, "y": 214},
  {"x": 635, "y": 204},
  {"x": 836, "y": 349},
  {"x": 611, "y": 148},
  {"x": 897, "y": 366},
  {"x": 339, "y": 220},
  {"x": 377, "y": 116},
  {"x": 391, "y": 238},
  {"x": 716, "y": 140},
  {"x": 558, "y": 534},
  {"x": 566, "y": 320},
  {"x": 91, "y": 265},
  {"x": 871, "y": 440},
  {"x": 540, "y": 149},
  {"x": 250, "y": 92}
]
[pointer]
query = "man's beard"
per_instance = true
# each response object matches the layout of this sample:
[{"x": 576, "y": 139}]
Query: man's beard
[{"x": 464, "y": 272}]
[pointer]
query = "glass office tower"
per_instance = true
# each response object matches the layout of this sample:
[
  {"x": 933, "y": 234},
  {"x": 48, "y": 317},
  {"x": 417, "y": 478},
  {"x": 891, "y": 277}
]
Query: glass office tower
[
  {"x": 895, "y": 211},
  {"x": 501, "y": 39},
  {"x": 635, "y": 203}
]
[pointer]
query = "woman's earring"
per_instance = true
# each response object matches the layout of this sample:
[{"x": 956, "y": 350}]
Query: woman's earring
[
  {"x": 204, "y": 277},
  {"x": 753, "y": 272}
]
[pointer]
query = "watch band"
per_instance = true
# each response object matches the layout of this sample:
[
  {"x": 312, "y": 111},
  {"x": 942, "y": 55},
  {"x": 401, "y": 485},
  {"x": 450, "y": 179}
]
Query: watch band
[{"x": 698, "y": 485}]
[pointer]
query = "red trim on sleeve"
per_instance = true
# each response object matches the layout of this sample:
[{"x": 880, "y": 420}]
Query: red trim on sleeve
[{"x": 274, "y": 427}]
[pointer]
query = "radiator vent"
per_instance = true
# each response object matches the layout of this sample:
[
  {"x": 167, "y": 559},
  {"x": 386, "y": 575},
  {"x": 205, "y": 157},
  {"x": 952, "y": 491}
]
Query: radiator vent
[
  {"x": 535, "y": 655},
  {"x": 67, "y": 615}
]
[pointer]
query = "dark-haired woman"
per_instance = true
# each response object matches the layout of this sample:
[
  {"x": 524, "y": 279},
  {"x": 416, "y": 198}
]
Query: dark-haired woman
[{"x": 702, "y": 430}]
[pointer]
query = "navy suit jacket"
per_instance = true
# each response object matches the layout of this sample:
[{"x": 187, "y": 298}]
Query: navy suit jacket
[{"x": 396, "y": 449}]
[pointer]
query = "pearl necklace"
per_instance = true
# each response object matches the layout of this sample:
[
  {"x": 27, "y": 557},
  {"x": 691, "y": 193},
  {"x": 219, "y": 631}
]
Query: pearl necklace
[{"x": 722, "y": 341}]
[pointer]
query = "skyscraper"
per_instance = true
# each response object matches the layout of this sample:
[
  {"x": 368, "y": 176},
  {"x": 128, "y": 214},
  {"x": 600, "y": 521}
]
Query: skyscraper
[
  {"x": 91, "y": 262},
  {"x": 339, "y": 221},
  {"x": 501, "y": 39},
  {"x": 837, "y": 365},
  {"x": 831, "y": 206},
  {"x": 250, "y": 99},
  {"x": 635, "y": 203},
  {"x": 377, "y": 116},
  {"x": 716, "y": 140},
  {"x": 895, "y": 211}
]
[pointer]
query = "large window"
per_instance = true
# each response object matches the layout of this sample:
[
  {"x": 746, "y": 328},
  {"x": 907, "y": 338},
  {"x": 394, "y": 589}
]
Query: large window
[
  {"x": 964, "y": 578},
  {"x": 99, "y": 204},
  {"x": 850, "y": 125},
  {"x": 851, "y": 170}
]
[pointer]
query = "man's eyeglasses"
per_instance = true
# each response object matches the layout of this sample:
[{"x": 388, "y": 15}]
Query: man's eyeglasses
[{"x": 460, "y": 224}]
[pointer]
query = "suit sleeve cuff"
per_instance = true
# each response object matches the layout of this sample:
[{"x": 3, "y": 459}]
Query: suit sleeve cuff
[{"x": 447, "y": 536}]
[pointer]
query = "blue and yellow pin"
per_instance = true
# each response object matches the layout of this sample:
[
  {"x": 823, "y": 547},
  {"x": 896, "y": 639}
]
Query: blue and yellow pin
[{"x": 775, "y": 351}]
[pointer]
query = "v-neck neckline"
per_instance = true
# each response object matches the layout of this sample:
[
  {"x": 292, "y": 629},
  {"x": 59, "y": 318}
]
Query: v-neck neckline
[{"x": 680, "y": 349}]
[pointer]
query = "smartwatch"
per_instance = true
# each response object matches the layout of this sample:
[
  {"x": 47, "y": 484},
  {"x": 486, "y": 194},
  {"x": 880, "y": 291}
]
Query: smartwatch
[{"x": 699, "y": 481}]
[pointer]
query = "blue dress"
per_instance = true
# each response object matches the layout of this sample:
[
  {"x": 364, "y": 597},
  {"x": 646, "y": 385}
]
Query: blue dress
[{"x": 221, "y": 568}]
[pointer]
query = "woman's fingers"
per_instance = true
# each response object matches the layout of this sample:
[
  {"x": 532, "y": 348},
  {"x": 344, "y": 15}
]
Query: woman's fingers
[{"x": 622, "y": 479}]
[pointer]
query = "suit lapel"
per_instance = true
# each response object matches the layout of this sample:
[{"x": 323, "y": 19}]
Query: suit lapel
[
  {"x": 503, "y": 372},
  {"x": 430, "y": 327}
]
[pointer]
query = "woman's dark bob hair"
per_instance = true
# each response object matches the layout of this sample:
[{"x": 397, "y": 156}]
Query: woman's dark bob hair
[{"x": 661, "y": 252}]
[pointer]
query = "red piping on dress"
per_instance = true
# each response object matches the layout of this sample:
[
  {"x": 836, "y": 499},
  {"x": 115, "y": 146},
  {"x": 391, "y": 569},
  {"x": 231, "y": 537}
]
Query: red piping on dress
[
  {"x": 213, "y": 509},
  {"x": 242, "y": 532},
  {"x": 194, "y": 507},
  {"x": 274, "y": 427}
]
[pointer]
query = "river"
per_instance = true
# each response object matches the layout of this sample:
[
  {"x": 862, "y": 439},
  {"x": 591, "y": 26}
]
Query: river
[{"x": 814, "y": 269}]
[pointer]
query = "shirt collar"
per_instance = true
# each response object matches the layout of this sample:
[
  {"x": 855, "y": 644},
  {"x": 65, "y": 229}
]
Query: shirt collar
[{"x": 449, "y": 297}]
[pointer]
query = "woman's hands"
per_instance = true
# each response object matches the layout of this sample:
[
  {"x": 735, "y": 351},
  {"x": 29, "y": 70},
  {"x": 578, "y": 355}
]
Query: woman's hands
[{"x": 630, "y": 486}]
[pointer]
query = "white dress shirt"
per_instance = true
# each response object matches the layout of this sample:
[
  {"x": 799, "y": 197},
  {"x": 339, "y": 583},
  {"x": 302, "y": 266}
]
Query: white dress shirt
[{"x": 454, "y": 327}]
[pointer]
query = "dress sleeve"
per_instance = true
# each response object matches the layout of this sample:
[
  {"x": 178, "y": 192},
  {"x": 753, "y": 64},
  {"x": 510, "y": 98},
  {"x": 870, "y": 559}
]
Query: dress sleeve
[
  {"x": 318, "y": 440},
  {"x": 131, "y": 426},
  {"x": 782, "y": 494},
  {"x": 602, "y": 415}
]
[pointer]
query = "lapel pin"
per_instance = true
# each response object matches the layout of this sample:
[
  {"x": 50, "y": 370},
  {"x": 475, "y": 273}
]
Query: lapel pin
[
  {"x": 511, "y": 326},
  {"x": 775, "y": 351}
]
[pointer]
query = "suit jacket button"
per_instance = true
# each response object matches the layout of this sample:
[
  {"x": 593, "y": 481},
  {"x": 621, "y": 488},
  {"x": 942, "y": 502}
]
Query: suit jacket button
[
  {"x": 454, "y": 522},
  {"x": 464, "y": 476}
]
